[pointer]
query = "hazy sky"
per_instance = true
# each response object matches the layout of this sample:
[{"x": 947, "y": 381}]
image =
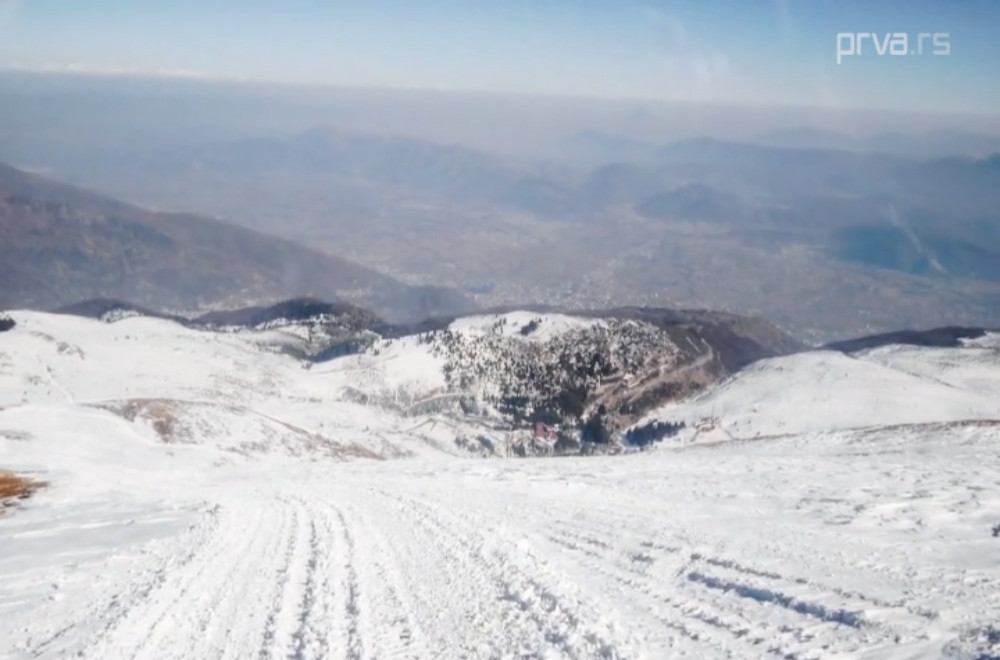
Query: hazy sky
[{"x": 742, "y": 51}]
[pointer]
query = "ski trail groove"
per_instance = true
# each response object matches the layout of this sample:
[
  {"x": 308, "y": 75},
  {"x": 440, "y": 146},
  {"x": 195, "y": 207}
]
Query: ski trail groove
[
  {"x": 382, "y": 601},
  {"x": 309, "y": 639},
  {"x": 289, "y": 597},
  {"x": 353, "y": 646},
  {"x": 533, "y": 609}
]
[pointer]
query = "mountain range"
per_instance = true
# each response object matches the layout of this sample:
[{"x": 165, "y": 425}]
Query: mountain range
[
  {"x": 60, "y": 244},
  {"x": 836, "y": 242}
]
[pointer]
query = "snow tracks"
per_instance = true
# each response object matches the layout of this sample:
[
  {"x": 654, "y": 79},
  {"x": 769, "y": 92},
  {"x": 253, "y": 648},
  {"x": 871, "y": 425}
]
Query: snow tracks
[
  {"x": 353, "y": 573},
  {"x": 478, "y": 561}
]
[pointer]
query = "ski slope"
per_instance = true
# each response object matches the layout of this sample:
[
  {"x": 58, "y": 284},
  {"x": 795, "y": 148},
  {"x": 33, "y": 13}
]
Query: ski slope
[
  {"x": 869, "y": 544},
  {"x": 825, "y": 390},
  {"x": 265, "y": 521}
]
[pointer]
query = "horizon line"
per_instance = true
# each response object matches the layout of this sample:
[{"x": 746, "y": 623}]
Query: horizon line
[{"x": 193, "y": 76}]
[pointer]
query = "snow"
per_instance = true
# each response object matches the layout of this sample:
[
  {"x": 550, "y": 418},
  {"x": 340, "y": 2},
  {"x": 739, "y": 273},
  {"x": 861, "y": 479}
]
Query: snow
[
  {"x": 549, "y": 325},
  {"x": 862, "y": 530},
  {"x": 988, "y": 340},
  {"x": 239, "y": 393},
  {"x": 973, "y": 369},
  {"x": 826, "y": 390},
  {"x": 401, "y": 365},
  {"x": 401, "y": 372}
]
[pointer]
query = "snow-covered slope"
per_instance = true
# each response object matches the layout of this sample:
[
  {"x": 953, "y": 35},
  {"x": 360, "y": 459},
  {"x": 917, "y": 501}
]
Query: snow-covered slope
[
  {"x": 483, "y": 350},
  {"x": 988, "y": 340},
  {"x": 231, "y": 391},
  {"x": 826, "y": 390},
  {"x": 209, "y": 497},
  {"x": 520, "y": 368},
  {"x": 866, "y": 544}
]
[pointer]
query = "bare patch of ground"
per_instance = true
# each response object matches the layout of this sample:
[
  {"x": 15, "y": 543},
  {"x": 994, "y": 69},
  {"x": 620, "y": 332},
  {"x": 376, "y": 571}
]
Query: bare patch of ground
[{"x": 15, "y": 487}]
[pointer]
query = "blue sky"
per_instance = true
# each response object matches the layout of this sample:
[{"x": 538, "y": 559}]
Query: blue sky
[{"x": 748, "y": 52}]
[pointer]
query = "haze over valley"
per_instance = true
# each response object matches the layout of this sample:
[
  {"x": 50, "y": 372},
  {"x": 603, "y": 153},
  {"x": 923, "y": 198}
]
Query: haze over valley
[{"x": 828, "y": 232}]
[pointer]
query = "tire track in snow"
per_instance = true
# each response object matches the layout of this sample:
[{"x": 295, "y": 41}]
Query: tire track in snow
[
  {"x": 701, "y": 627},
  {"x": 854, "y": 598},
  {"x": 379, "y": 602},
  {"x": 310, "y": 639},
  {"x": 619, "y": 535},
  {"x": 690, "y": 630},
  {"x": 134, "y": 626},
  {"x": 213, "y": 605},
  {"x": 289, "y": 598},
  {"x": 353, "y": 648},
  {"x": 536, "y": 617},
  {"x": 787, "y": 619},
  {"x": 470, "y": 626},
  {"x": 793, "y": 615}
]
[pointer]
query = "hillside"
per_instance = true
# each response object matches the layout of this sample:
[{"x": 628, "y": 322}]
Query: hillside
[
  {"x": 207, "y": 490},
  {"x": 949, "y": 337},
  {"x": 60, "y": 244},
  {"x": 823, "y": 391},
  {"x": 484, "y": 383},
  {"x": 585, "y": 375},
  {"x": 171, "y": 382}
]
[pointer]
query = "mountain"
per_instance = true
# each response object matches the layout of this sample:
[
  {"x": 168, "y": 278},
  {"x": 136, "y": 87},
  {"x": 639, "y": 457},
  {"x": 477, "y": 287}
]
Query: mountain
[
  {"x": 588, "y": 373},
  {"x": 807, "y": 137},
  {"x": 617, "y": 183},
  {"x": 110, "y": 310},
  {"x": 949, "y": 337},
  {"x": 962, "y": 185},
  {"x": 838, "y": 242},
  {"x": 779, "y": 172},
  {"x": 357, "y": 163},
  {"x": 492, "y": 376},
  {"x": 694, "y": 202},
  {"x": 203, "y": 491},
  {"x": 930, "y": 144},
  {"x": 456, "y": 171},
  {"x": 306, "y": 328},
  {"x": 594, "y": 149},
  {"x": 291, "y": 311},
  {"x": 60, "y": 244},
  {"x": 935, "y": 144},
  {"x": 932, "y": 218}
]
